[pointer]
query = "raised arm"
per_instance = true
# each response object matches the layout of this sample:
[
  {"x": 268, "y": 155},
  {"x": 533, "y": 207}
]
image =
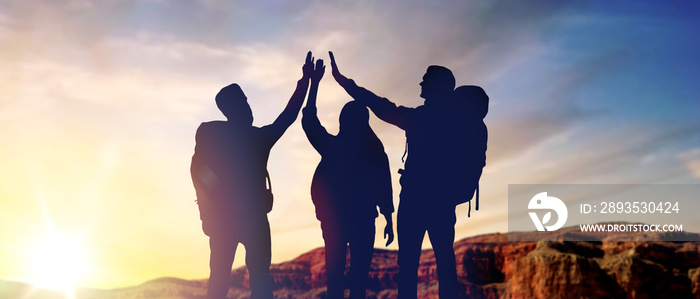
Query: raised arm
[
  {"x": 315, "y": 132},
  {"x": 289, "y": 115},
  {"x": 382, "y": 107},
  {"x": 315, "y": 77}
]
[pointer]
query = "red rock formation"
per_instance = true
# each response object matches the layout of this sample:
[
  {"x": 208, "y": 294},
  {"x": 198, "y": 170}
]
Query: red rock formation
[{"x": 489, "y": 266}]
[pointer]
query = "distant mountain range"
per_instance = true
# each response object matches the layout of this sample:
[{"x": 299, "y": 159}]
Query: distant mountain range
[{"x": 489, "y": 266}]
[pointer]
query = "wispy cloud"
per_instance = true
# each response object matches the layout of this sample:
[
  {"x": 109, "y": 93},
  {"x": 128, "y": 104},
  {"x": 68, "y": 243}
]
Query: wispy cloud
[{"x": 691, "y": 159}]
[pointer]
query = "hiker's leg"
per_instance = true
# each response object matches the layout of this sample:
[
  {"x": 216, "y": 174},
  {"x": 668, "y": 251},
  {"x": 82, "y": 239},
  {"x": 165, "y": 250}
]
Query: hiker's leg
[
  {"x": 257, "y": 259},
  {"x": 223, "y": 250},
  {"x": 336, "y": 250},
  {"x": 410, "y": 235},
  {"x": 441, "y": 232},
  {"x": 361, "y": 250}
]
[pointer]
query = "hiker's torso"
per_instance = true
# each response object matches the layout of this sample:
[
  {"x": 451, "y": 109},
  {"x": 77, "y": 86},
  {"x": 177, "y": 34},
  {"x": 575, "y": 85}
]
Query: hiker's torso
[
  {"x": 237, "y": 157},
  {"x": 348, "y": 181}
]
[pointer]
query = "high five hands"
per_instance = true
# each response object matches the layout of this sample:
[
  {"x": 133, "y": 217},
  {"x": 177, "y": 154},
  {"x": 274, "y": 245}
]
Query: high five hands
[
  {"x": 308, "y": 70},
  {"x": 318, "y": 72},
  {"x": 315, "y": 74}
]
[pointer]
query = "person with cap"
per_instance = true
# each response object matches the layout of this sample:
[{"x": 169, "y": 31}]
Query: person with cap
[{"x": 229, "y": 172}]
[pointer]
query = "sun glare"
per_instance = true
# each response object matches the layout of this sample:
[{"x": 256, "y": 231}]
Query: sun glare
[{"x": 57, "y": 262}]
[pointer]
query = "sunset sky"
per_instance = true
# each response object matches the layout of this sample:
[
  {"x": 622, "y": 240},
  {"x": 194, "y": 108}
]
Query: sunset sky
[{"x": 100, "y": 100}]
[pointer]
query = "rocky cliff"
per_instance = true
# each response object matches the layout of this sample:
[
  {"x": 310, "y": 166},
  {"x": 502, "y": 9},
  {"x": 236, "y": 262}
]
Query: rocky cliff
[{"x": 489, "y": 266}]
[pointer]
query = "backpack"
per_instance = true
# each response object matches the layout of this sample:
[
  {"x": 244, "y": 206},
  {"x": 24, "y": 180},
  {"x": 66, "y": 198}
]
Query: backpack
[
  {"x": 472, "y": 101},
  {"x": 458, "y": 137},
  {"x": 210, "y": 214},
  {"x": 217, "y": 195}
]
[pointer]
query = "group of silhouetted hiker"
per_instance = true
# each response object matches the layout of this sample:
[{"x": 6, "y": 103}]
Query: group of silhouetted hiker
[{"x": 446, "y": 151}]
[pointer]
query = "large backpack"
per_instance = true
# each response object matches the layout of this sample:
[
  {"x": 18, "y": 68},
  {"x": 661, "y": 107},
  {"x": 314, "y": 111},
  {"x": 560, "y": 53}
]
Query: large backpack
[
  {"x": 454, "y": 136},
  {"x": 475, "y": 105}
]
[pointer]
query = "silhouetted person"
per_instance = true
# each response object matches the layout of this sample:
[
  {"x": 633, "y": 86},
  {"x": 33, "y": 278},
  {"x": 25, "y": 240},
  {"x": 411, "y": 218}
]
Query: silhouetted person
[
  {"x": 430, "y": 189},
  {"x": 352, "y": 179},
  {"x": 229, "y": 170}
]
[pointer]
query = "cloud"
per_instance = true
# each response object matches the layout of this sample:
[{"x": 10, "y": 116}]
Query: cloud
[
  {"x": 545, "y": 110},
  {"x": 691, "y": 159}
]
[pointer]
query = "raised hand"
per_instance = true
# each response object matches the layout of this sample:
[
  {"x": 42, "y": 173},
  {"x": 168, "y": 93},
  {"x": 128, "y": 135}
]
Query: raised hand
[
  {"x": 318, "y": 72},
  {"x": 308, "y": 67},
  {"x": 342, "y": 80},
  {"x": 334, "y": 66}
]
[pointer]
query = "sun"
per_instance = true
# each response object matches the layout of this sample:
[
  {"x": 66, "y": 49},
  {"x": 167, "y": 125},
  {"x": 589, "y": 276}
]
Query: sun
[{"x": 58, "y": 261}]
